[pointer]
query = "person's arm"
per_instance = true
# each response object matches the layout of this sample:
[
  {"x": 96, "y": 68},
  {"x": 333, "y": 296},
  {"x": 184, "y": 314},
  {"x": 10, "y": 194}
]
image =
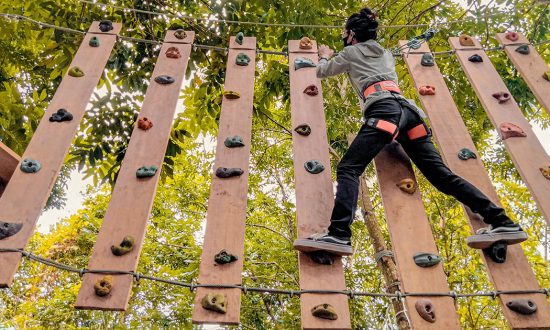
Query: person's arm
[{"x": 338, "y": 64}]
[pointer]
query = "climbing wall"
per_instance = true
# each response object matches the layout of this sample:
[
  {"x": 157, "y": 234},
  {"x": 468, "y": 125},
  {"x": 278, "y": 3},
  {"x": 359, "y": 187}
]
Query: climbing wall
[
  {"x": 523, "y": 146},
  {"x": 314, "y": 195},
  {"x": 452, "y": 137},
  {"x": 45, "y": 153},
  {"x": 121, "y": 235},
  {"x": 225, "y": 224},
  {"x": 8, "y": 163}
]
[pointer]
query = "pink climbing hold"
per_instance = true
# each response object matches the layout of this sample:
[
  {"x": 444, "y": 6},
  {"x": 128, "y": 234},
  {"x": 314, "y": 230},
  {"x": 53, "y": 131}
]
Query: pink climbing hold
[
  {"x": 427, "y": 90},
  {"x": 512, "y": 36}
]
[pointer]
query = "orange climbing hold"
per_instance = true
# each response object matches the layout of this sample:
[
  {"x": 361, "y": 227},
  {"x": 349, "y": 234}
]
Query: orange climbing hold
[
  {"x": 427, "y": 90},
  {"x": 508, "y": 130},
  {"x": 545, "y": 171},
  {"x": 407, "y": 185},
  {"x": 466, "y": 40},
  {"x": 306, "y": 43}
]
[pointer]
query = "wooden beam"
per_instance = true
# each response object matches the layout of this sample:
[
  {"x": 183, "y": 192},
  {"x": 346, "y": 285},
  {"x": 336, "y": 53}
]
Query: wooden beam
[
  {"x": 26, "y": 195},
  {"x": 226, "y": 216},
  {"x": 8, "y": 163},
  {"x": 132, "y": 198}
]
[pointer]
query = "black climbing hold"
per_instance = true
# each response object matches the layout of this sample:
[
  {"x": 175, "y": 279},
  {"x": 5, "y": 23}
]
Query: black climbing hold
[
  {"x": 30, "y": 166},
  {"x": 427, "y": 60},
  {"x": 225, "y": 172},
  {"x": 311, "y": 90},
  {"x": 303, "y": 129},
  {"x": 522, "y": 306},
  {"x": 234, "y": 142},
  {"x": 424, "y": 259},
  {"x": 224, "y": 257},
  {"x": 502, "y": 97},
  {"x": 146, "y": 171},
  {"x": 546, "y": 75},
  {"x": 124, "y": 247},
  {"x": 76, "y": 72},
  {"x": 322, "y": 257},
  {"x": 61, "y": 115},
  {"x": 523, "y": 49},
  {"x": 103, "y": 286},
  {"x": 164, "y": 79},
  {"x": 314, "y": 166},
  {"x": 242, "y": 59},
  {"x": 231, "y": 95},
  {"x": 105, "y": 26},
  {"x": 239, "y": 38},
  {"x": 425, "y": 309},
  {"x": 302, "y": 62},
  {"x": 475, "y": 58},
  {"x": 8, "y": 229},
  {"x": 180, "y": 34},
  {"x": 497, "y": 252},
  {"x": 324, "y": 311},
  {"x": 94, "y": 41},
  {"x": 215, "y": 302},
  {"x": 466, "y": 154}
]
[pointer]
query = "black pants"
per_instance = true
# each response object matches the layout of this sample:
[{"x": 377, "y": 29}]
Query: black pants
[{"x": 422, "y": 152}]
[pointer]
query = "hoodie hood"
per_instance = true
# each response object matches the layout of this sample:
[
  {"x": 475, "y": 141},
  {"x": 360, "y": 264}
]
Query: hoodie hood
[{"x": 370, "y": 48}]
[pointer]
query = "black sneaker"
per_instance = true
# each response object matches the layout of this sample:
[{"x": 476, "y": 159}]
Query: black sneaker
[
  {"x": 324, "y": 242},
  {"x": 508, "y": 232}
]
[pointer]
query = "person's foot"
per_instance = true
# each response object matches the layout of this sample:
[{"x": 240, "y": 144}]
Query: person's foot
[
  {"x": 324, "y": 242},
  {"x": 507, "y": 232}
]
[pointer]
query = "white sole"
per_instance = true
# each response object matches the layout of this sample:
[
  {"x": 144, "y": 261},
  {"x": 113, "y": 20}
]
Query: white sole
[
  {"x": 484, "y": 241},
  {"x": 307, "y": 245}
]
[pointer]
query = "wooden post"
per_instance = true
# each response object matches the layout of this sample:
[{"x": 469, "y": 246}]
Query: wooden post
[
  {"x": 132, "y": 197},
  {"x": 8, "y": 163},
  {"x": 314, "y": 195},
  {"x": 531, "y": 67},
  {"x": 451, "y": 135},
  {"x": 225, "y": 225},
  {"x": 27, "y": 193},
  {"x": 527, "y": 152}
]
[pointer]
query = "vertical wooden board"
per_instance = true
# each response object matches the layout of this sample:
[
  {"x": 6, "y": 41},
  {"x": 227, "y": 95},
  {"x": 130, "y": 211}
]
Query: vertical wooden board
[
  {"x": 132, "y": 198},
  {"x": 314, "y": 194},
  {"x": 8, "y": 163},
  {"x": 410, "y": 233},
  {"x": 452, "y": 135},
  {"x": 527, "y": 152},
  {"x": 531, "y": 67},
  {"x": 225, "y": 225},
  {"x": 49, "y": 145}
]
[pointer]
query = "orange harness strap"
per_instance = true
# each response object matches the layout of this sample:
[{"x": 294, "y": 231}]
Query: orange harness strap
[
  {"x": 384, "y": 125},
  {"x": 417, "y": 132},
  {"x": 386, "y": 85}
]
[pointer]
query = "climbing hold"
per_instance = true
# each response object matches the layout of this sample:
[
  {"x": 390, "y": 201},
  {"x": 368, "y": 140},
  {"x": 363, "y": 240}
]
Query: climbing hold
[
  {"x": 239, "y": 38},
  {"x": 497, "y": 252},
  {"x": 224, "y": 257},
  {"x": 94, "y": 41},
  {"x": 427, "y": 90},
  {"x": 512, "y": 36},
  {"x": 324, "y": 311},
  {"x": 306, "y": 43},
  {"x": 466, "y": 40},
  {"x": 8, "y": 229},
  {"x": 173, "y": 52},
  {"x": 76, "y": 72},
  {"x": 145, "y": 123},
  {"x": 234, "y": 142},
  {"x": 61, "y": 115},
  {"x": 164, "y": 79},
  {"x": 225, "y": 172},
  {"x": 30, "y": 166},
  {"x": 475, "y": 58},
  {"x": 231, "y": 95},
  {"x": 522, "y": 306},
  {"x": 502, "y": 96},
  {"x": 424, "y": 259},
  {"x": 523, "y": 49},
  {"x": 425, "y": 309},
  {"x": 242, "y": 59},
  {"x": 105, "y": 26},
  {"x": 103, "y": 286},
  {"x": 545, "y": 170},
  {"x": 215, "y": 302},
  {"x": 546, "y": 75},
  {"x": 407, "y": 185},
  {"x": 146, "y": 171},
  {"x": 314, "y": 166},
  {"x": 303, "y": 129},
  {"x": 180, "y": 34},
  {"x": 124, "y": 247},
  {"x": 302, "y": 62},
  {"x": 322, "y": 257},
  {"x": 427, "y": 60},
  {"x": 508, "y": 130},
  {"x": 466, "y": 154},
  {"x": 311, "y": 90}
]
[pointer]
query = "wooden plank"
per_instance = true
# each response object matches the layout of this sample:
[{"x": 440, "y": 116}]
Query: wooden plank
[
  {"x": 132, "y": 198},
  {"x": 531, "y": 67},
  {"x": 226, "y": 214},
  {"x": 314, "y": 195},
  {"x": 8, "y": 163},
  {"x": 451, "y": 136},
  {"x": 527, "y": 152},
  {"x": 49, "y": 145}
]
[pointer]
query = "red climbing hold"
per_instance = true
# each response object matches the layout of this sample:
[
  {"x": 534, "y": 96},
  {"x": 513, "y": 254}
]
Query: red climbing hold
[
  {"x": 508, "y": 130},
  {"x": 427, "y": 90},
  {"x": 173, "y": 52},
  {"x": 311, "y": 90},
  {"x": 512, "y": 36},
  {"x": 502, "y": 96},
  {"x": 144, "y": 123}
]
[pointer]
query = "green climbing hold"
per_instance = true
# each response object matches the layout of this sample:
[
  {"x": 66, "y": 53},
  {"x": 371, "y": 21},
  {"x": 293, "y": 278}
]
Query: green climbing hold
[
  {"x": 30, "y": 166},
  {"x": 146, "y": 171},
  {"x": 303, "y": 62},
  {"x": 242, "y": 59},
  {"x": 466, "y": 154},
  {"x": 523, "y": 49},
  {"x": 8, "y": 229},
  {"x": 303, "y": 129},
  {"x": 314, "y": 166},
  {"x": 94, "y": 41},
  {"x": 234, "y": 142},
  {"x": 427, "y": 60},
  {"x": 124, "y": 247},
  {"x": 239, "y": 38},
  {"x": 225, "y": 257},
  {"x": 76, "y": 72},
  {"x": 425, "y": 260},
  {"x": 215, "y": 302},
  {"x": 324, "y": 311}
]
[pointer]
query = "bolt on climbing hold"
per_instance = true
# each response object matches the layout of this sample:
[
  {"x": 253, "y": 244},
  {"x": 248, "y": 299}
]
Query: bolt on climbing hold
[
  {"x": 508, "y": 130},
  {"x": 512, "y": 36},
  {"x": 239, "y": 38},
  {"x": 215, "y": 302},
  {"x": 105, "y": 26},
  {"x": 164, "y": 79},
  {"x": 61, "y": 115},
  {"x": 522, "y": 306},
  {"x": 545, "y": 170},
  {"x": 8, "y": 229},
  {"x": 231, "y": 95},
  {"x": 425, "y": 309},
  {"x": 311, "y": 90},
  {"x": 427, "y": 60},
  {"x": 466, "y": 154},
  {"x": 466, "y": 40},
  {"x": 303, "y": 62},
  {"x": 94, "y": 42},
  {"x": 523, "y": 49},
  {"x": 173, "y": 52},
  {"x": 476, "y": 58},
  {"x": 76, "y": 72},
  {"x": 224, "y": 257},
  {"x": 303, "y": 129},
  {"x": 126, "y": 246},
  {"x": 146, "y": 171},
  {"x": 314, "y": 166},
  {"x": 180, "y": 34},
  {"x": 427, "y": 90},
  {"x": 322, "y": 257},
  {"x": 145, "y": 123},
  {"x": 234, "y": 142},
  {"x": 324, "y": 311},
  {"x": 103, "y": 286},
  {"x": 546, "y": 75},
  {"x": 425, "y": 259},
  {"x": 501, "y": 96},
  {"x": 30, "y": 166},
  {"x": 306, "y": 43},
  {"x": 227, "y": 172},
  {"x": 407, "y": 185},
  {"x": 242, "y": 59},
  {"x": 497, "y": 252}
]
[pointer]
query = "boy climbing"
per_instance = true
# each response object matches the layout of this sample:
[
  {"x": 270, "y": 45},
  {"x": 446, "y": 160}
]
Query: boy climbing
[{"x": 388, "y": 117}]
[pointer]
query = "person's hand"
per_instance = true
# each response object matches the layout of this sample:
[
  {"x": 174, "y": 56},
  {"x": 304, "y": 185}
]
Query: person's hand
[{"x": 325, "y": 51}]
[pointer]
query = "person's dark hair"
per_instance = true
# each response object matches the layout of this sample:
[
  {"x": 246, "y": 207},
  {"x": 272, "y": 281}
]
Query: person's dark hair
[{"x": 363, "y": 24}]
